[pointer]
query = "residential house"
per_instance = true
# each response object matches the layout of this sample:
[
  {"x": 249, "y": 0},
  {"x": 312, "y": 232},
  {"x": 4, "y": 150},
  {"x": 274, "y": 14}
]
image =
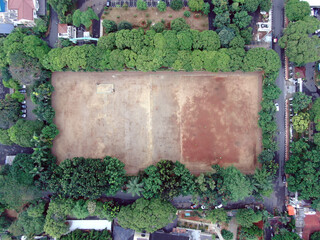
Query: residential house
[{"x": 65, "y": 31}]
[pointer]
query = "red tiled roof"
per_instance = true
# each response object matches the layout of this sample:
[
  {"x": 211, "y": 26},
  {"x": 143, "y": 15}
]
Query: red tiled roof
[
  {"x": 312, "y": 224},
  {"x": 301, "y": 71},
  {"x": 25, "y": 8},
  {"x": 62, "y": 28}
]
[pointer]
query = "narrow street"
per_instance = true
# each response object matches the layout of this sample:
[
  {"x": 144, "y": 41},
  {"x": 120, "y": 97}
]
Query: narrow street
[{"x": 53, "y": 34}]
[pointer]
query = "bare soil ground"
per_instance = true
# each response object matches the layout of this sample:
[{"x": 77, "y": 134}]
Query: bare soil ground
[
  {"x": 198, "y": 118},
  {"x": 140, "y": 18}
]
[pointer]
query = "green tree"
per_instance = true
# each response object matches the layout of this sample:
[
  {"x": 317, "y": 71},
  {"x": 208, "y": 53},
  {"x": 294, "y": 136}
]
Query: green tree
[
  {"x": 227, "y": 235},
  {"x": 301, "y": 47},
  {"x": 134, "y": 187},
  {"x": 41, "y": 26},
  {"x": 22, "y": 132},
  {"x": 14, "y": 194},
  {"x": 222, "y": 20},
  {"x": 217, "y": 216},
  {"x": 27, "y": 225},
  {"x": 179, "y": 24},
  {"x": 315, "y": 236},
  {"x": 124, "y": 25},
  {"x": 85, "y": 235},
  {"x": 55, "y": 222},
  {"x": 61, "y": 7},
  {"x": 80, "y": 210},
  {"x": 21, "y": 168},
  {"x": 49, "y": 132},
  {"x": 246, "y": 217},
  {"x": 158, "y": 27},
  {"x": 242, "y": 19},
  {"x": 147, "y": 215},
  {"x": 109, "y": 26},
  {"x": 76, "y": 18},
  {"x": 142, "y": 5},
  {"x": 226, "y": 35},
  {"x": 316, "y": 139},
  {"x": 196, "y": 5},
  {"x": 301, "y": 122},
  {"x": 88, "y": 16},
  {"x": 300, "y": 101},
  {"x": 262, "y": 182},
  {"x": 176, "y": 5},
  {"x": 162, "y": 6},
  {"x": 187, "y": 13},
  {"x": 4, "y": 137},
  {"x": 167, "y": 180},
  {"x": 296, "y": 10},
  {"x": 251, "y": 5},
  {"x": 286, "y": 236},
  {"x": 206, "y": 8},
  {"x": 235, "y": 185},
  {"x": 303, "y": 168},
  {"x": 93, "y": 177}
]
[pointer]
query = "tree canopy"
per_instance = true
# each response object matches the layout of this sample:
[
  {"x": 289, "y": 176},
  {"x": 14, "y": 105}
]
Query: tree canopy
[
  {"x": 300, "y": 47},
  {"x": 93, "y": 177},
  {"x": 296, "y": 10},
  {"x": 147, "y": 215},
  {"x": 300, "y": 101}
]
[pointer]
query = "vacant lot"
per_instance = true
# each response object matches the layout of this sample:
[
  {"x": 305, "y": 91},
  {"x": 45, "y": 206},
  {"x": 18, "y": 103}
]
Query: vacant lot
[
  {"x": 197, "y": 118},
  {"x": 139, "y": 18}
]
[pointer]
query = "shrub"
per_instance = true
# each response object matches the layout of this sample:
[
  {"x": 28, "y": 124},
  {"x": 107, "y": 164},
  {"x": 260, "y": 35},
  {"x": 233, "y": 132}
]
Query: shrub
[
  {"x": 142, "y": 5},
  {"x": 22, "y": 132},
  {"x": 21, "y": 169},
  {"x": 85, "y": 235},
  {"x": 109, "y": 26},
  {"x": 41, "y": 26},
  {"x": 176, "y": 5},
  {"x": 50, "y": 132},
  {"x": 246, "y": 217},
  {"x": 195, "y": 5},
  {"x": 80, "y": 210},
  {"x": 107, "y": 210},
  {"x": 206, "y": 8},
  {"x": 125, "y": 6},
  {"x": 187, "y": 14},
  {"x": 4, "y": 137},
  {"x": 179, "y": 24},
  {"x": 124, "y": 25},
  {"x": 315, "y": 236},
  {"x": 162, "y": 6},
  {"x": 158, "y": 27},
  {"x": 17, "y": 95},
  {"x": 227, "y": 235},
  {"x": 91, "y": 206}
]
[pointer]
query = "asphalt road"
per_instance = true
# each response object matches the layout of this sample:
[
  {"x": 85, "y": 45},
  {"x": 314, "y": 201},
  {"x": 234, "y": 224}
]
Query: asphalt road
[
  {"x": 53, "y": 34},
  {"x": 277, "y": 200}
]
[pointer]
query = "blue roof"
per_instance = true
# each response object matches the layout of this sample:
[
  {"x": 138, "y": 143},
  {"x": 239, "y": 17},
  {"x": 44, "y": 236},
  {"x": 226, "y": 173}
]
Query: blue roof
[
  {"x": 6, "y": 28},
  {"x": 2, "y": 6}
]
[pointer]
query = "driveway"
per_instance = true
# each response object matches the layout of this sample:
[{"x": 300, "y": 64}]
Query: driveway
[{"x": 52, "y": 38}]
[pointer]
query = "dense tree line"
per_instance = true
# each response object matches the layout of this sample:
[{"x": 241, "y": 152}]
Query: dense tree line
[{"x": 186, "y": 50}]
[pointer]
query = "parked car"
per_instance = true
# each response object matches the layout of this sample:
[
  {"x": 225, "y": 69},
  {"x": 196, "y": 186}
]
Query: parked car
[
  {"x": 24, "y": 115},
  {"x": 22, "y": 90},
  {"x": 23, "y": 86},
  {"x": 108, "y": 3},
  {"x": 275, "y": 40},
  {"x": 219, "y": 206},
  {"x": 24, "y": 110},
  {"x": 277, "y": 106},
  {"x": 23, "y": 106}
]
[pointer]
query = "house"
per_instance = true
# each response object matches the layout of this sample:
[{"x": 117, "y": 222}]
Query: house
[
  {"x": 25, "y": 11},
  {"x": 169, "y": 236},
  {"x": 65, "y": 31},
  {"x": 119, "y": 233}
]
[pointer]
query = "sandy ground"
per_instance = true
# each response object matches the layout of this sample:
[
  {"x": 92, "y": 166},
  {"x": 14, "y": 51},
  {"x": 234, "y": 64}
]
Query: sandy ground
[
  {"x": 140, "y": 18},
  {"x": 197, "y": 118}
]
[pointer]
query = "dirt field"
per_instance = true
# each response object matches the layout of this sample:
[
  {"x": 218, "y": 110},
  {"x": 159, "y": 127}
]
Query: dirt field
[
  {"x": 140, "y": 18},
  {"x": 197, "y": 118}
]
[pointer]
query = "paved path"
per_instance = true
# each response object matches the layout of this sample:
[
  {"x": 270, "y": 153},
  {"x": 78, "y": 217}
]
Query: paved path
[{"x": 52, "y": 38}]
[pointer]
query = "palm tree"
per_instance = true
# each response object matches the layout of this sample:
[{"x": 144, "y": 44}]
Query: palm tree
[{"x": 134, "y": 187}]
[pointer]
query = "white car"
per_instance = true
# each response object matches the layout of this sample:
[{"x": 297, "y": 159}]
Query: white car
[{"x": 277, "y": 106}]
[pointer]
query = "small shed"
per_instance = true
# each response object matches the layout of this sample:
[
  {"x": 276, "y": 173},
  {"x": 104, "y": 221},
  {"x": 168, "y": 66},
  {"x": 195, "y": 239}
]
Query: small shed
[
  {"x": 6, "y": 28},
  {"x": 299, "y": 72},
  {"x": 9, "y": 160}
]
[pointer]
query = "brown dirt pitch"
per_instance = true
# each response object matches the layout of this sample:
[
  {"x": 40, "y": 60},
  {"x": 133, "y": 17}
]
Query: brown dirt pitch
[{"x": 198, "y": 118}]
